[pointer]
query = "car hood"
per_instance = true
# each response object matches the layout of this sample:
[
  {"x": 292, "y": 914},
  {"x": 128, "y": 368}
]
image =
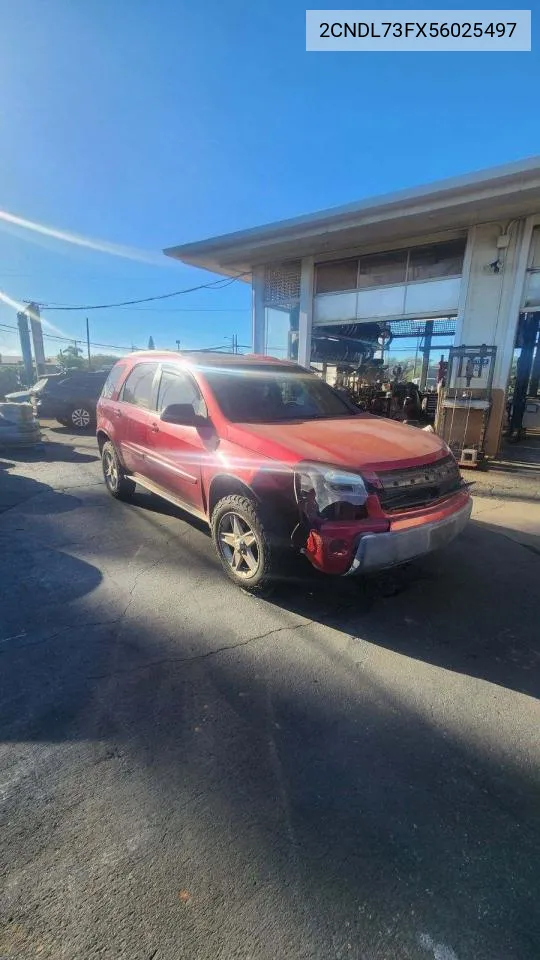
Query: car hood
[{"x": 357, "y": 442}]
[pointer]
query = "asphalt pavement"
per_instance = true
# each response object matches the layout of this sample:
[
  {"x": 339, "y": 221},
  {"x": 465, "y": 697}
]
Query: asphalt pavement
[{"x": 348, "y": 771}]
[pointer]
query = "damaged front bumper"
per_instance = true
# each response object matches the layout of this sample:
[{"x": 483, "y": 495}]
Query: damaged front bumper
[
  {"x": 346, "y": 550},
  {"x": 378, "y": 551}
]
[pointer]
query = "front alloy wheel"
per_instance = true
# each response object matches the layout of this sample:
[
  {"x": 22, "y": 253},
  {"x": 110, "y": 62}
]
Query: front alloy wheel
[
  {"x": 246, "y": 543},
  {"x": 238, "y": 545},
  {"x": 80, "y": 418}
]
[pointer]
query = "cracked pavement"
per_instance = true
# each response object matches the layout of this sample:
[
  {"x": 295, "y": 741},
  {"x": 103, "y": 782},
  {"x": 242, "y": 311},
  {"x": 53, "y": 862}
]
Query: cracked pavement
[{"x": 347, "y": 770}]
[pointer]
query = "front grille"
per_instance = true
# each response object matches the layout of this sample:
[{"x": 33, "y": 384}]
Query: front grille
[{"x": 418, "y": 486}]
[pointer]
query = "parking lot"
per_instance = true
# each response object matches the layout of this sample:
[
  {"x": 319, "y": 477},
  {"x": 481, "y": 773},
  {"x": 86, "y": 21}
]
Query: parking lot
[{"x": 347, "y": 770}]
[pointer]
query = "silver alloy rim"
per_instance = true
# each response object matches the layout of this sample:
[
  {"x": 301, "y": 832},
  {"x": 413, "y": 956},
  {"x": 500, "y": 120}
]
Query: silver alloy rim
[
  {"x": 110, "y": 470},
  {"x": 80, "y": 417},
  {"x": 238, "y": 545}
]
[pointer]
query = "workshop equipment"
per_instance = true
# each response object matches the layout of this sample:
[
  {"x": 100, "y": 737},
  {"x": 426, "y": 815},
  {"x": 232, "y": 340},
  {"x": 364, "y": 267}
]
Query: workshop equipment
[{"x": 465, "y": 403}]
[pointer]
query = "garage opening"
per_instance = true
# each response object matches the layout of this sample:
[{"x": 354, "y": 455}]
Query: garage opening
[{"x": 383, "y": 324}]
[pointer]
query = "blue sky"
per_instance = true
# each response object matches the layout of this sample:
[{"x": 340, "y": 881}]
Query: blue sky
[{"x": 147, "y": 125}]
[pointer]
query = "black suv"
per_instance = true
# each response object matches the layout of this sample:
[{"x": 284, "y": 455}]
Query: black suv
[{"x": 71, "y": 399}]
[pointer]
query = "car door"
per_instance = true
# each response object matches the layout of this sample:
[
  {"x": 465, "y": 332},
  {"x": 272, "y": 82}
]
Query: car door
[
  {"x": 133, "y": 412},
  {"x": 175, "y": 452}
]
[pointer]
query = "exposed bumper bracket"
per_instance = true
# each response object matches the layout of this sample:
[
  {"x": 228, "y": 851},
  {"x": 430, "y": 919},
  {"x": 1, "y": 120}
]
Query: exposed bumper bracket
[{"x": 377, "y": 551}]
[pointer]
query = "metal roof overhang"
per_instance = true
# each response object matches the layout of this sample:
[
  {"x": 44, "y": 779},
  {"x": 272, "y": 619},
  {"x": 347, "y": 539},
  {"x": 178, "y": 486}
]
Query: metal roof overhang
[{"x": 500, "y": 194}]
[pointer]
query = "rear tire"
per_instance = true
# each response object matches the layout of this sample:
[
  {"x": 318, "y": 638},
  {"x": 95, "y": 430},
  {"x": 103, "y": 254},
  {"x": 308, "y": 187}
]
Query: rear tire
[
  {"x": 119, "y": 486},
  {"x": 246, "y": 544}
]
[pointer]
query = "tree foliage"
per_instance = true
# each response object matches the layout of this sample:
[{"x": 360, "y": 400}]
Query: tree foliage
[{"x": 71, "y": 358}]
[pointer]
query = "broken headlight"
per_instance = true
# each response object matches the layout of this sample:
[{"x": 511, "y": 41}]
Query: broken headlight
[{"x": 328, "y": 493}]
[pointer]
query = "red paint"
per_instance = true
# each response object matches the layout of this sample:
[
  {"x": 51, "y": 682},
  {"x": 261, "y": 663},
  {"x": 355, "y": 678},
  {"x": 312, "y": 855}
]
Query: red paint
[{"x": 186, "y": 460}]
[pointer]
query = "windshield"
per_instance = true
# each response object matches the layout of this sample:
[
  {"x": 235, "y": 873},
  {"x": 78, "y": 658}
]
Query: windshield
[{"x": 270, "y": 395}]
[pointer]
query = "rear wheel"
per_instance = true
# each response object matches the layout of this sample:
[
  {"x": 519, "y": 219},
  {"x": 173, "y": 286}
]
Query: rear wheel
[
  {"x": 248, "y": 550},
  {"x": 80, "y": 417},
  {"x": 119, "y": 486}
]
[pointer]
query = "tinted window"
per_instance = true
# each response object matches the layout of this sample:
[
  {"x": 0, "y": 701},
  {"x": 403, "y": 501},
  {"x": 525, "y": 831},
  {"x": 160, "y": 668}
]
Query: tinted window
[
  {"x": 93, "y": 385},
  {"x": 380, "y": 269},
  {"x": 250, "y": 396},
  {"x": 334, "y": 276},
  {"x": 83, "y": 383},
  {"x": 437, "y": 260},
  {"x": 138, "y": 386},
  {"x": 113, "y": 380},
  {"x": 177, "y": 387}
]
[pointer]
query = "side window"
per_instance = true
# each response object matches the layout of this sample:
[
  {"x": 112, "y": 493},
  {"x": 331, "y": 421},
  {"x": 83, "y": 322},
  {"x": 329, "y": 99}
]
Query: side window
[
  {"x": 177, "y": 387},
  {"x": 138, "y": 386},
  {"x": 113, "y": 380}
]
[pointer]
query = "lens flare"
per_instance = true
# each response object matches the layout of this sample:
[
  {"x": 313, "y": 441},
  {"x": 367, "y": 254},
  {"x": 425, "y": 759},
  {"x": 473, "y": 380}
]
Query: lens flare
[
  {"x": 100, "y": 246},
  {"x": 24, "y": 308}
]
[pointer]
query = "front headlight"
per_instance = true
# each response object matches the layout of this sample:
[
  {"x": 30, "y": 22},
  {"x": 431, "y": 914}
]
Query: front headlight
[{"x": 329, "y": 493}]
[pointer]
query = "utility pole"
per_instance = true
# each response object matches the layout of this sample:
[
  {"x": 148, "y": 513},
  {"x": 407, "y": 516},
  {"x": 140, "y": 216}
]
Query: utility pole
[
  {"x": 32, "y": 312},
  {"x": 88, "y": 344},
  {"x": 26, "y": 349}
]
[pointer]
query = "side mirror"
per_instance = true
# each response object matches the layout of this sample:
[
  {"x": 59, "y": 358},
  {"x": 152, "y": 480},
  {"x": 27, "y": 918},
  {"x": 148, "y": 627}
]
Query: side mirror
[{"x": 182, "y": 414}]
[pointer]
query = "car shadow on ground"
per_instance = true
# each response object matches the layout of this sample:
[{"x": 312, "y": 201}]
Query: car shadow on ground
[
  {"x": 305, "y": 807},
  {"x": 456, "y": 609},
  {"x": 49, "y": 451},
  {"x": 154, "y": 504},
  {"x": 344, "y": 820},
  {"x": 71, "y": 432},
  {"x": 420, "y": 610}
]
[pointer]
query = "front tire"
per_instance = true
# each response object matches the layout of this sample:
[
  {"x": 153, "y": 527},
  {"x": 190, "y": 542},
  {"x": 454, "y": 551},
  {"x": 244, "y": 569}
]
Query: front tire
[
  {"x": 119, "y": 486},
  {"x": 248, "y": 552}
]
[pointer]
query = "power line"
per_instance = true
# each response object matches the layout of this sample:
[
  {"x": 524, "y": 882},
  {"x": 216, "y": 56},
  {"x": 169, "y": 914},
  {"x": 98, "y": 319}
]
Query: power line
[
  {"x": 116, "y": 346},
  {"x": 214, "y": 284},
  {"x": 189, "y": 310},
  {"x": 52, "y": 336}
]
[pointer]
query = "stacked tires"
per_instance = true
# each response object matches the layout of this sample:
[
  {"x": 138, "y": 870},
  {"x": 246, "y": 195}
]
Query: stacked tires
[{"x": 18, "y": 425}]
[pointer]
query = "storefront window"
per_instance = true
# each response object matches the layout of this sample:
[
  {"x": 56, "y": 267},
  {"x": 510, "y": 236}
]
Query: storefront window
[
  {"x": 382, "y": 269},
  {"x": 335, "y": 276},
  {"x": 436, "y": 261}
]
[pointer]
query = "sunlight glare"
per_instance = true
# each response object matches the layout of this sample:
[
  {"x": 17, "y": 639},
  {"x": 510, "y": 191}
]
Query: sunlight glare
[{"x": 100, "y": 246}]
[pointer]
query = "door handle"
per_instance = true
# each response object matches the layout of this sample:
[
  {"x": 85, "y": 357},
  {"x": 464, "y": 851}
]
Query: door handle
[
  {"x": 154, "y": 428},
  {"x": 118, "y": 413}
]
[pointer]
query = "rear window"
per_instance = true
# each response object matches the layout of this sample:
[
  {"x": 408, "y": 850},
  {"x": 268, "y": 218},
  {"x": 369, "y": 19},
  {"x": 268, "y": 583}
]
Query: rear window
[
  {"x": 139, "y": 386},
  {"x": 83, "y": 383},
  {"x": 113, "y": 380}
]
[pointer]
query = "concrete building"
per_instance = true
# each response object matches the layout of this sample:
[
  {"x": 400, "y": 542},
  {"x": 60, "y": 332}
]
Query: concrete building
[{"x": 464, "y": 251}]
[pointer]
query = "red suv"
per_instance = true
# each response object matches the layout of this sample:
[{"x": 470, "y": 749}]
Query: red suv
[{"x": 275, "y": 460}]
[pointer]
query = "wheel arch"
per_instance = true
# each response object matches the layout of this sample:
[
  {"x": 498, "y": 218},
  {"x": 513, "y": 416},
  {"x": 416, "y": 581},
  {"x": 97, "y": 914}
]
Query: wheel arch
[
  {"x": 225, "y": 485},
  {"x": 102, "y": 436}
]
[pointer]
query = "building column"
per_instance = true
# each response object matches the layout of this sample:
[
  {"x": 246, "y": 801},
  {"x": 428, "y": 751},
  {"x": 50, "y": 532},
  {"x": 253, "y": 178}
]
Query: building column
[
  {"x": 305, "y": 323},
  {"x": 490, "y": 304},
  {"x": 258, "y": 314}
]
